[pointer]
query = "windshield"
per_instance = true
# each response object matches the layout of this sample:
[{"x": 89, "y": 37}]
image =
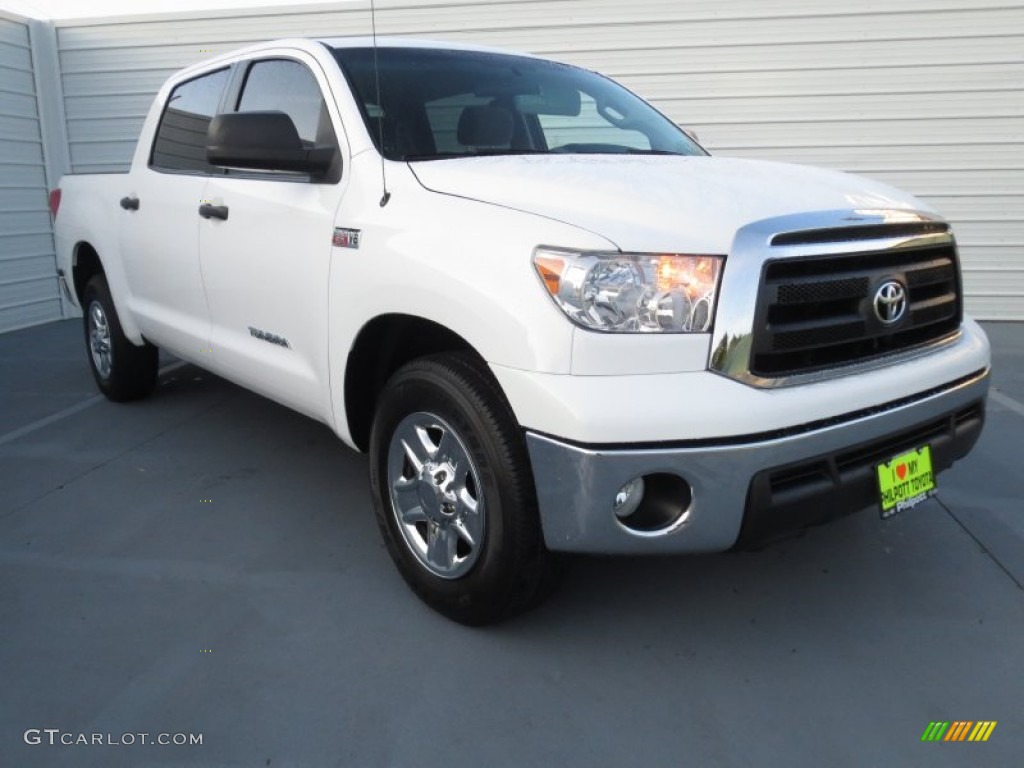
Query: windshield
[{"x": 437, "y": 103}]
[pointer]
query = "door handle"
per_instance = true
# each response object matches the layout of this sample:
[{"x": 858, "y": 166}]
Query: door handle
[
  {"x": 130, "y": 203},
  {"x": 208, "y": 211}
]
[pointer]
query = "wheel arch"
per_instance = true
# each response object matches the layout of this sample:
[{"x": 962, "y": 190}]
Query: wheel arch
[
  {"x": 85, "y": 264},
  {"x": 382, "y": 346}
]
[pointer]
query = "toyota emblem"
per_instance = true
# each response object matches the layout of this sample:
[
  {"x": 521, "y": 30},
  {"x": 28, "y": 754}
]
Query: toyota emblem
[{"x": 890, "y": 302}]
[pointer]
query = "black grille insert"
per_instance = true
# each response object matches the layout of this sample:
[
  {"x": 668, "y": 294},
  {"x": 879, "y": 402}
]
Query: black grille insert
[{"x": 818, "y": 312}]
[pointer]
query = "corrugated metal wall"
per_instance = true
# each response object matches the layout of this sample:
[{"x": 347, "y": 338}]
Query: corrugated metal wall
[
  {"x": 925, "y": 94},
  {"x": 28, "y": 278}
]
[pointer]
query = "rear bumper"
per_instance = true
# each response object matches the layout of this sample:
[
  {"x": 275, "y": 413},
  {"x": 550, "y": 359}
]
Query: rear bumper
[{"x": 749, "y": 490}]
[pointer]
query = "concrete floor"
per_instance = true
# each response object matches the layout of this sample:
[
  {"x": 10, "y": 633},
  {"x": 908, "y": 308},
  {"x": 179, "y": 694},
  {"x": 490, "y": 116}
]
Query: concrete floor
[{"x": 206, "y": 562}]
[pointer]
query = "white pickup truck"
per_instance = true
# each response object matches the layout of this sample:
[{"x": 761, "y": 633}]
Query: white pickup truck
[{"x": 553, "y": 321}]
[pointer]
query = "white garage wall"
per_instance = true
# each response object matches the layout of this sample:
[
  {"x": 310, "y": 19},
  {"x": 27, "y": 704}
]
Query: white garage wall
[
  {"x": 28, "y": 277},
  {"x": 925, "y": 94}
]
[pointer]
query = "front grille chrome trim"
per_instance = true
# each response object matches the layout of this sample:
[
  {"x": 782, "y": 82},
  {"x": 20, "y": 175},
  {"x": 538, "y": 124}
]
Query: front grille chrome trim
[{"x": 756, "y": 244}]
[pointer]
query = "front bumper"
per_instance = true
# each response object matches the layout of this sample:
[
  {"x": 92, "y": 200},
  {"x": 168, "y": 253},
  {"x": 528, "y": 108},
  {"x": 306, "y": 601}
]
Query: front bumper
[{"x": 748, "y": 490}]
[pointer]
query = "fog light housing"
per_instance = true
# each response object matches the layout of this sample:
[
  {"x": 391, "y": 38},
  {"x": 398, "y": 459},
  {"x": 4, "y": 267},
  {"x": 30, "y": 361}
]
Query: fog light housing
[{"x": 653, "y": 504}]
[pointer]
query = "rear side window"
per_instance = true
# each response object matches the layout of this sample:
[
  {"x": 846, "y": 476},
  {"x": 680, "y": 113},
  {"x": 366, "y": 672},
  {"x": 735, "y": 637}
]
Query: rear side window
[
  {"x": 180, "y": 143},
  {"x": 287, "y": 86}
]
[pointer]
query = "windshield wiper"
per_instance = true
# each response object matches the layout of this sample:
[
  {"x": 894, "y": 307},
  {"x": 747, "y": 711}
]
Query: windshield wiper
[
  {"x": 631, "y": 151},
  {"x": 474, "y": 153}
]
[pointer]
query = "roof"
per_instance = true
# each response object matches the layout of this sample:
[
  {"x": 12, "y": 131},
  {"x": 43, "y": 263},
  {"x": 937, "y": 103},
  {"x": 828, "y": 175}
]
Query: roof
[{"x": 407, "y": 42}]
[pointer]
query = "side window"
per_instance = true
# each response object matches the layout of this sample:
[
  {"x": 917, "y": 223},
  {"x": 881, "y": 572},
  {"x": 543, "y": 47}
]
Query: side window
[
  {"x": 281, "y": 85},
  {"x": 180, "y": 143}
]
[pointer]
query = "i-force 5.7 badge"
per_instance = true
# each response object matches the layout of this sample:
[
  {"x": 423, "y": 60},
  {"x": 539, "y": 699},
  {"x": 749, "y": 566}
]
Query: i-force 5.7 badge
[{"x": 345, "y": 238}]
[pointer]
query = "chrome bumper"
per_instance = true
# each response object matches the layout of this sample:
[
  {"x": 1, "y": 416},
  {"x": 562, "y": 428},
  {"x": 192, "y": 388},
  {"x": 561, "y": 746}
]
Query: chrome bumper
[{"x": 576, "y": 485}]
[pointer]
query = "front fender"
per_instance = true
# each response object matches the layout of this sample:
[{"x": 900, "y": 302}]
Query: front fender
[{"x": 464, "y": 265}]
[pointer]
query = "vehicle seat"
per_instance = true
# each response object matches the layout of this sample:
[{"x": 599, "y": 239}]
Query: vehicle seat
[{"x": 485, "y": 127}]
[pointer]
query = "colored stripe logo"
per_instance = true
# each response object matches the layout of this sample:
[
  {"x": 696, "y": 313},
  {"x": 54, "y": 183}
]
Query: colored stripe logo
[{"x": 959, "y": 730}]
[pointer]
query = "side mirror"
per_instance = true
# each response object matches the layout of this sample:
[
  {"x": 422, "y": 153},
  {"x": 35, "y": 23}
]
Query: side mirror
[{"x": 263, "y": 141}]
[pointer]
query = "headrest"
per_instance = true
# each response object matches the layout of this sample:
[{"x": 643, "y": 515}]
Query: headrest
[{"x": 485, "y": 127}]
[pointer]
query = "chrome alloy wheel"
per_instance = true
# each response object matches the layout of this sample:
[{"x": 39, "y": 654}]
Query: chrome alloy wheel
[
  {"x": 100, "y": 344},
  {"x": 436, "y": 495}
]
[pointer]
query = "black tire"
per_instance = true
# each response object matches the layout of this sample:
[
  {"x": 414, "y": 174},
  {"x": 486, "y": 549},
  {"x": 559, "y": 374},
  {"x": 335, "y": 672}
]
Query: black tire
[
  {"x": 509, "y": 570},
  {"x": 123, "y": 371}
]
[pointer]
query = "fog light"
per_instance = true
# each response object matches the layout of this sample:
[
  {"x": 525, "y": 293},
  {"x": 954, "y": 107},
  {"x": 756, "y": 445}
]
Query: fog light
[
  {"x": 653, "y": 504},
  {"x": 628, "y": 498}
]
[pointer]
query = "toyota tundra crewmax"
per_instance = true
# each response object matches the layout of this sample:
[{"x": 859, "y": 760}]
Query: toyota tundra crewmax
[{"x": 553, "y": 321}]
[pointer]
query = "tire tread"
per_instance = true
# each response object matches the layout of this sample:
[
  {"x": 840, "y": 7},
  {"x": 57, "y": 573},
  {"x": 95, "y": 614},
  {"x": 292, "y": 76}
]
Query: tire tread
[
  {"x": 134, "y": 372},
  {"x": 536, "y": 571}
]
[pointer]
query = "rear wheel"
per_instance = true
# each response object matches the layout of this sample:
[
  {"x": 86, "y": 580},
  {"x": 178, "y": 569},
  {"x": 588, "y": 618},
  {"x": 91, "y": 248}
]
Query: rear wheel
[
  {"x": 123, "y": 371},
  {"x": 454, "y": 492}
]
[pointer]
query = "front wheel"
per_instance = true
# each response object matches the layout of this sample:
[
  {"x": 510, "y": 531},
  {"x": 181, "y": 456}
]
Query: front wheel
[
  {"x": 123, "y": 371},
  {"x": 454, "y": 493}
]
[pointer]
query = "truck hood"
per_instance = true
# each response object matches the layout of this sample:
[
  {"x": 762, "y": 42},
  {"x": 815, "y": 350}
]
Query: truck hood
[{"x": 656, "y": 203}]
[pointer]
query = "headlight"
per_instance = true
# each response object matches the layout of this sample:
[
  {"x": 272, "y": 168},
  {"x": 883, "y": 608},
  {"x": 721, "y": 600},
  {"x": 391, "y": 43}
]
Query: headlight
[{"x": 632, "y": 292}]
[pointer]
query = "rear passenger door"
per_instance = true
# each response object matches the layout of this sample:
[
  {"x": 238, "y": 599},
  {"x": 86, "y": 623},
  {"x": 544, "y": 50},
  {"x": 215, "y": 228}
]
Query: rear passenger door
[
  {"x": 159, "y": 229},
  {"x": 266, "y": 266}
]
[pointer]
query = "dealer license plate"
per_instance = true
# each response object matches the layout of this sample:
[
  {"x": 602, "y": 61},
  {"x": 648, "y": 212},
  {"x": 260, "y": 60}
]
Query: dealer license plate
[{"x": 906, "y": 481}]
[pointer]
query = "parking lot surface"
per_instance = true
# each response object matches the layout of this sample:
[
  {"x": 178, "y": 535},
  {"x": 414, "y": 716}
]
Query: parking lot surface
[{"x": 206, "y": 562}]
